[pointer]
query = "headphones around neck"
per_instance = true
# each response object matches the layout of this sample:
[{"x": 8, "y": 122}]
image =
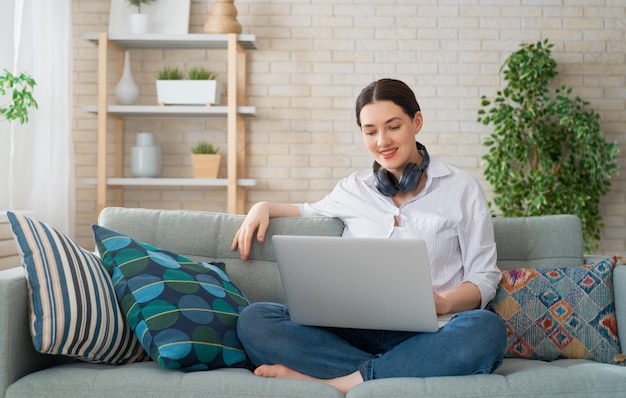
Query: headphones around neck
[{"x": 386, "y": 182}]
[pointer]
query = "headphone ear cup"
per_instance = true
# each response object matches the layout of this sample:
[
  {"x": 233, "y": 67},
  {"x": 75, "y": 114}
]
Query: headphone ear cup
[
  {"x": 385, "y": 182},
  {"x": 410, "y": 178}
]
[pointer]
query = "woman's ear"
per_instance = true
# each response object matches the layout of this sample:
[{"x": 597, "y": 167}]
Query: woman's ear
[{"x": 418, "y": 121}]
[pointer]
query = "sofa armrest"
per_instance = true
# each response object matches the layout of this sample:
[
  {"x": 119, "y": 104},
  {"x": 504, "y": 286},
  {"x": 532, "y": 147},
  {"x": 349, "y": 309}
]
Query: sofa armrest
[{"x": 17, "y": 355}]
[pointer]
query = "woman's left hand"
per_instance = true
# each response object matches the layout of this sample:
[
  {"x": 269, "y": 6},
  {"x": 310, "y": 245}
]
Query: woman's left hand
[
  {"x": 442, "y": 304},
  {"x": 463, "y": 298}
]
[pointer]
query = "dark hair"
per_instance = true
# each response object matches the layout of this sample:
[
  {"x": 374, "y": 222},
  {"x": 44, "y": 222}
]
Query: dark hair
[{"x": 387, "y": 90}]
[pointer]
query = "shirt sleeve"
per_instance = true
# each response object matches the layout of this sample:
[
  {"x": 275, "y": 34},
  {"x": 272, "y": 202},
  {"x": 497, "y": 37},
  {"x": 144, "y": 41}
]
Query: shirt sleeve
[{"x": 478, "y": 251}]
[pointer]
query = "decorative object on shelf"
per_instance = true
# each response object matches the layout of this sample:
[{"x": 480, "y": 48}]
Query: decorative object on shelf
[
  {"x": 547, "y": 153},
  {"x": 146, "y": 157},
  {"x": 139, "y": 23},
  {"x": 222, "y": 18},
  {"x": 206, "y": 160},
  {"x": 126, "y": 91},
  {"x": 166, "y": 16},
  {"x": 200, "y": 89}
]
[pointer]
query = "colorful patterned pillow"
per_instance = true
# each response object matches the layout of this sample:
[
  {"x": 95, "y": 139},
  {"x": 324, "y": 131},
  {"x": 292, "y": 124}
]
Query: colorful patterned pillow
[
  {"x": 560, "y": 312},
  {"x": 183, "y": 312},
  {"x": 73, "y": 309}
]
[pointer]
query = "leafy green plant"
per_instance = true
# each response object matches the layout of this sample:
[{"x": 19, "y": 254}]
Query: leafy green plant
[
  {"x": 547, "y": 153},
  {"x": 18, "y": 91},
  {"x": 204, "y": 147},
  {"x": 170, "y": 73},
  {"x": 199, "y": 73},
  {"x": 138, "y": 3}
]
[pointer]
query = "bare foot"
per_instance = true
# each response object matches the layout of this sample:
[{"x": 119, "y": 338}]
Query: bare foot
[{"x": 343, "y": 384}]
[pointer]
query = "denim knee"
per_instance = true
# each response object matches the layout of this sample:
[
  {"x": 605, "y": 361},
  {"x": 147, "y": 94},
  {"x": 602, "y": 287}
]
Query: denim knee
[
  {"x": 494, "y": 343},
  {"x": 253, "y": 317}
]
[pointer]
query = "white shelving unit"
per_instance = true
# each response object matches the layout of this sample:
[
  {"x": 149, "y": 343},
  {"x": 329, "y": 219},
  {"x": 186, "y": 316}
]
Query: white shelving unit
[{"x": 235, "y": 112}]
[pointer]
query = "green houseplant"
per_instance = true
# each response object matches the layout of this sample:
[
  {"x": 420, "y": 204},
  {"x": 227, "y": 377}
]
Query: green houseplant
[
  {"x": 199, "y": 73},
  {"x": 547, "y": 153},
  {"x": 170, "y": 73},
  {"x": 138, "y": 3},
  {"x": 16, "y": 96},
  {"x": 200, "y": 88},
  {"x": 206, "y": 160}
]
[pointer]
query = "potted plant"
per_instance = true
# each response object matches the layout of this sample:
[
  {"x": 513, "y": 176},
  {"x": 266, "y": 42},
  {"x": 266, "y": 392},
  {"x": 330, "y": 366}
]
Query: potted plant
[
  {"x": 201, "y": 87},
  {"x": 206, "y": 160},
  {"x": 139, "y": 23},
  {"x": 16, "y": 96},
  {"x": 547, "y": 153}
]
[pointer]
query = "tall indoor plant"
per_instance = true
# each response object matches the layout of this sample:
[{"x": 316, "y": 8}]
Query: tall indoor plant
[{"x": 547, "y": 153}]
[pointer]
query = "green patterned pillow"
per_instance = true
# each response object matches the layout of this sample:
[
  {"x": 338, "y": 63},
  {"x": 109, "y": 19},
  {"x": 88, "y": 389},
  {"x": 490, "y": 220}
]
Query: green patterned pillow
[
  {"x": 73, "y": 309},
  {"x": 183, "y": 312},
  {"x": 559, "y": 312}
]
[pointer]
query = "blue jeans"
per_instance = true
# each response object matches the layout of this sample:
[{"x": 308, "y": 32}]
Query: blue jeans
[{"x": 472, "y": 342}]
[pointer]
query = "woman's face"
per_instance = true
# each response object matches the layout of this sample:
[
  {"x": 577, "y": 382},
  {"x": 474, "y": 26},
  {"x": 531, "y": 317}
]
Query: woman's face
[{"x": 389, "y": 135}]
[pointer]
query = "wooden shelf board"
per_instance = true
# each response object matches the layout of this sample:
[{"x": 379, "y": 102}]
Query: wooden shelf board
[
  {"x": 171, "y": 182},
  {"x": 175, "y": 41},
  {"x": 170, "y": 110}
]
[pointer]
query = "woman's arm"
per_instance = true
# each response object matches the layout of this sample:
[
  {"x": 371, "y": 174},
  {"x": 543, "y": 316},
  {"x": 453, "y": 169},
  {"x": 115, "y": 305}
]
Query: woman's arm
[
  {"x": 463, "y": 298},
  {"x": 256, "y": 222}
]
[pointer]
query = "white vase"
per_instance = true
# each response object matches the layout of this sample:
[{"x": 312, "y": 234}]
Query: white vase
[
  {"x": 126, "y": 91},
  {"x": 139, "y": 23},
  {"x": 146, "y": 157}
]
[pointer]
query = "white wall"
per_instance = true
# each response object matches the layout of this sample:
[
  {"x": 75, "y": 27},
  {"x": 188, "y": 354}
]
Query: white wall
[{"x": 313, "y": 58}]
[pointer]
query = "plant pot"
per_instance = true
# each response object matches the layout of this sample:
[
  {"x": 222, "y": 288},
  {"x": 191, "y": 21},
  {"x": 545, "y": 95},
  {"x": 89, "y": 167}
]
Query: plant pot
[
  {"x": 188, "y": 92},
  {"x": 139, "y": 23},
  {"x": 206, "y": 165}
]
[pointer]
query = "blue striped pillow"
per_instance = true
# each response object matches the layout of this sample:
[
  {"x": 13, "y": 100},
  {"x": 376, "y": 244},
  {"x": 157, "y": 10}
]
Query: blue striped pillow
[{"x": 74, "y": 311}]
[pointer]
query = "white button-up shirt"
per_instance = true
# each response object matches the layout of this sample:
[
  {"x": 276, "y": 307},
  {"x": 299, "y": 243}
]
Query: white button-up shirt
[{"x": 451, "y": 214}]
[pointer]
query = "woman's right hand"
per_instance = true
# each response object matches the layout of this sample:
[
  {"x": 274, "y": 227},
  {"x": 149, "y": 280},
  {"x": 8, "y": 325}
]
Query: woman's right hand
[{"x": 256, "y": 222}]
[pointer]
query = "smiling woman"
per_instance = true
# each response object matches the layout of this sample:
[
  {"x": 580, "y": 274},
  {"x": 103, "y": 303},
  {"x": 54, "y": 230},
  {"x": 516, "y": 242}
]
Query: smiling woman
[{"x": 407, "y": 195}]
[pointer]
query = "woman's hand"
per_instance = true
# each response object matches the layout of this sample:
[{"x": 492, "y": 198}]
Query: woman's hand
[
  {"x": 256, "y": 223},
  {"x": 463, "y": 298}
]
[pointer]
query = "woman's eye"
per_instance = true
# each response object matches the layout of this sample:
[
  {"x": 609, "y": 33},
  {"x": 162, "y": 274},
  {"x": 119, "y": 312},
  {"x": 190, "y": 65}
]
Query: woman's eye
[{"x": 394, "y": 127}]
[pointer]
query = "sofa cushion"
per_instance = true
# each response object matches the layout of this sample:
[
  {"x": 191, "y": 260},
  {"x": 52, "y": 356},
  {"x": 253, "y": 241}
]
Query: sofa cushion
[
  {"x": 183, "y": 312},
  {"x": 560, "y": 312},
  {"x": 73, "y": 309}
]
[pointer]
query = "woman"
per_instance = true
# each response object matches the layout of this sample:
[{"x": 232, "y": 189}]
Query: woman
[{"x": 408, "y": 195}]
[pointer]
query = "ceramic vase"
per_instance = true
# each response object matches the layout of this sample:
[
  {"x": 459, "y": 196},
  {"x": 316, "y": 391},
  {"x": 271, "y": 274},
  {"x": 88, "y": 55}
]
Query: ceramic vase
[
  {"x": 126, "y": 91},
  {"x": 146, "y": 157}
]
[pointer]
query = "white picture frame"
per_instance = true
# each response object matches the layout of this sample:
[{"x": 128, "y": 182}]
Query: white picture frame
[{"x": 167, "y": 16}]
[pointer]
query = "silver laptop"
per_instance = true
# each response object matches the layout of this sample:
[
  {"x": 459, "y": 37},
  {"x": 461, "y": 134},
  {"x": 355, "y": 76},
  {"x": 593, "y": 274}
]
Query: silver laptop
[{"x": 361, "y": 283}]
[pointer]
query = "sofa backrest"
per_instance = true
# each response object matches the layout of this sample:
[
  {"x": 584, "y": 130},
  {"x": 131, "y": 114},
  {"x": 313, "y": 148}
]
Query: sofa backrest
[
  {"x": 539, "y": 242},
  {"x": 207, "y": 236},
  {"x": 545, "y": 241}
]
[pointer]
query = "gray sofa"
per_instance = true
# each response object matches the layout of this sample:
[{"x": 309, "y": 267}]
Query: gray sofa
[{"x": 522, "y": 242}]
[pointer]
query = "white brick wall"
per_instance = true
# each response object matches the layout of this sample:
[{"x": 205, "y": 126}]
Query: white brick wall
[{"x": 314, "y": 56}]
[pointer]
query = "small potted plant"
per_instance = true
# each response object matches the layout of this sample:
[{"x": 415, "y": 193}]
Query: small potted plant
[
  {"x": 139, "y": 23},
  {"x": 206, "y": 160},
  {"x": 201, "y": 87}
]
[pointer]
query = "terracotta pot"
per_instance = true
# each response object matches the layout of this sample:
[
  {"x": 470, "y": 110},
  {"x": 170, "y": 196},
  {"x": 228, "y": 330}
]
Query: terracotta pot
[{"x": 206, "y": 165}]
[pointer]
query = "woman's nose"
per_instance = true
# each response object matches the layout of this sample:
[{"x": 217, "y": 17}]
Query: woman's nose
[{"x": 383, "y": 139}]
